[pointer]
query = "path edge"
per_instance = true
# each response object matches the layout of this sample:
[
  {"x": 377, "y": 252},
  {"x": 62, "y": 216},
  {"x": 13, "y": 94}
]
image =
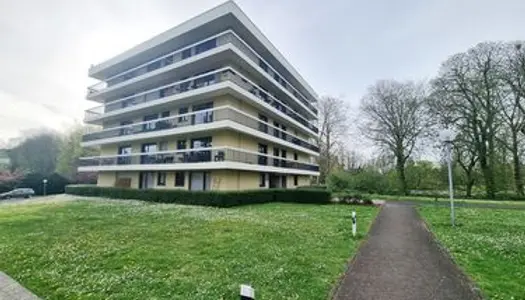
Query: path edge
[
  {"x": 471, "y": 283},
  {"x": 350, "y": 262}
]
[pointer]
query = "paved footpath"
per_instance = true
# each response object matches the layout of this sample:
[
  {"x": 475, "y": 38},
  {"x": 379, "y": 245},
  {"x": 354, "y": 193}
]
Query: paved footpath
[
  {"x": 400, "y": 260},
  {"x": 12, "y": 290}
]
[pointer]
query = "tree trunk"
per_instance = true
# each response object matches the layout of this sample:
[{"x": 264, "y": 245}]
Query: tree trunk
[
  {"x": 400, "y": 166},
  {"x": 470, "y": 184},
  {"x": 489, "y": 179},
  {"x": 518, "y": 182}
]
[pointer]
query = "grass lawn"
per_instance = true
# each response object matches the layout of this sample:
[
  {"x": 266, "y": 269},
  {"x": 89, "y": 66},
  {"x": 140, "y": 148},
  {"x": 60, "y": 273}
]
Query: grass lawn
[
  {"x": 489, "y": 244},
  {"x": 108, "y": 249},
  {"x": 446, "y": 200}
]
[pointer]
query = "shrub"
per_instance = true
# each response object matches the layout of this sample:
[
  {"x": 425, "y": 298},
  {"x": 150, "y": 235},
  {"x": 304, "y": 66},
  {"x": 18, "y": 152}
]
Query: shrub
[
  {"x": 205, "y": 198},
  {"x": 365, "y": 181}
]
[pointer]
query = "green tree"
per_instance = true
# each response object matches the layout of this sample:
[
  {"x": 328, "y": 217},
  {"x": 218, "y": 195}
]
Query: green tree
[
  {"x": 70, "y": 152},
  {"x": 36, "y": 154}
]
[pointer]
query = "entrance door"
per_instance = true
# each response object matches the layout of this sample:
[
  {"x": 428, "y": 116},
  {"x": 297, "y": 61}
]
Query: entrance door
[
  {"x": 275, "y": 181},
  {"x": 197, "y": 181},
  {"x": 146, "y": 180}
]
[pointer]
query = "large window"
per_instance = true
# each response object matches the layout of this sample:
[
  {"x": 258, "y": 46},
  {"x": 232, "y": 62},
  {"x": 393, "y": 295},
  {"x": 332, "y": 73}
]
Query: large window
[
  {"x": 179, "y": 179},
  {"x": 202, "y": 155},
  {"x": 295, "y": 180},
  {"x": 126, "y": 130},
  {"x": 199, "y": 181},
  {"x": 186, "y": 53},
  {"x": 202, "y": 117},
  {"x": 123, "y": 150},
  {"x": 263, "y": 125},
  {"x": 205, "y": 46},
  {"x": 204, "y": 142},
  {"x": 262, "y": 179},
  {"x": 148, "y": 148},
  {"x": 181, "y": 144},
  {"x": 263, "y": 159},
  {"x": 150, "y": 125},
  {"x": 183, "y": 110}
]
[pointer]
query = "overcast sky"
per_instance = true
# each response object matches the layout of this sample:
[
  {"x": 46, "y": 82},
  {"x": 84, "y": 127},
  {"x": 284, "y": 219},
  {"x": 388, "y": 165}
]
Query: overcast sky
[{"x": 339, "y": 46}]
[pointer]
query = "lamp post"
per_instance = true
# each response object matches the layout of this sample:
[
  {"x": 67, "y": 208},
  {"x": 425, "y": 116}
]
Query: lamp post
[
  {"x": 447, "y": 137},
  {"x": 44, "y": 182}
]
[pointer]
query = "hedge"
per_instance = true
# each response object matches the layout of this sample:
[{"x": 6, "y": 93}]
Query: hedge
[{"x": 205, "y": 198}]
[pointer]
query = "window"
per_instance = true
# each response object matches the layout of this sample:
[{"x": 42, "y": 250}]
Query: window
[
  {"x": 295, "y": 180},
  {"x": 126, "y": 130},
  {"x": 204, "y": 142},
  {"x": 204, "y": 81},
  {"x": 123, "y": 150},
  {"x": 199, "y": 181},
  {"x": 295, "y": 156},
  {"x": 202, "y": 155},
  {"x": 283, "y": 133},
  {"x": 149, "y": 125},
  {"x": 168, "y": 60},
  {"x": 283, "y": 155},
  {"x": 179, "y": 179},
  {"x": 153, "y": 66},
  {"x": 205, "y": 46},
  {"x": 202, "y": 117},
  {"x": 183, "y": 110},
  {"x": 186, "y": 53},
  {"x": 283, "y": 181},
  {"x": 263, "y": 65},
  {"x": 276, "y": 129},
  {"x": 262, "y": 180},
  {"x": 148, "y": 148},
  {"x": 181, "y": 144},
  {"x": 263, "y": 125},
  {"x": 161, "y": 178},
  {"x": 276, "y": 154},
  {"x": 263, "y": 159},
  {"x": 164, "y": 124}
]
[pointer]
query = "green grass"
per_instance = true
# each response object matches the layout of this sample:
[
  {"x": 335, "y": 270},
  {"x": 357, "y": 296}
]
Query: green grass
[
  {"x": 446, "y": 200},
  {"x": 133, "y": 250},
  {"x": 489, "y": 244}
]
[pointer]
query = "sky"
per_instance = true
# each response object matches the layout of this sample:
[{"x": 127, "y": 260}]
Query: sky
[{"x": 339, "y": 46}]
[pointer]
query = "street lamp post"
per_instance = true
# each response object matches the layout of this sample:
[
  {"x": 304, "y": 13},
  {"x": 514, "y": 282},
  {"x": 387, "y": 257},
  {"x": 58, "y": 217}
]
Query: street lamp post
[
  {"x": 447, "y": 137},
  {"x": 44, "y": 182}
]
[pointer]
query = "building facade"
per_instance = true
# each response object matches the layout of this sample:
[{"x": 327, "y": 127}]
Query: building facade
[{"x": 207, "y": 105}]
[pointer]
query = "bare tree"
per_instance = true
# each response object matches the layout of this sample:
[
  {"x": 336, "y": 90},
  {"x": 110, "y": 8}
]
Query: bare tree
[
  {"x": 395, "y": 119},
  {"x": 332, "y": 128},
  {"x": 467, "y": 94}
]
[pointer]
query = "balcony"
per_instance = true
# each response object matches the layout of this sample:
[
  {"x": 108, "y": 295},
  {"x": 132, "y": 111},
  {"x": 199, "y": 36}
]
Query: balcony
[
  {"x": 201, "y": 47},
  {"x": 190, "y": 84},
  {"x": 196, "y": 118},
  {"x": 196, "y": 156}
]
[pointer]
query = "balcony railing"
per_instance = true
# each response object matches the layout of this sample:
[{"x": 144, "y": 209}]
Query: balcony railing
[
  {"x": 212, "y": 42},
  {"x": 196, "y": 118},
  {"x": 203, "y": 80},
  {"x": 200, "y": 155}
]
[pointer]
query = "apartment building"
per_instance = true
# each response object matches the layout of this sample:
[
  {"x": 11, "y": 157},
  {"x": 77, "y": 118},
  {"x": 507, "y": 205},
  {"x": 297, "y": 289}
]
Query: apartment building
[{"x": 210, "y": 104}]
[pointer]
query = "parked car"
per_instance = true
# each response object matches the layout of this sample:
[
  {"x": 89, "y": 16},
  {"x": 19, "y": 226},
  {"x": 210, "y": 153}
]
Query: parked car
[{"x": 18, "y": 193}]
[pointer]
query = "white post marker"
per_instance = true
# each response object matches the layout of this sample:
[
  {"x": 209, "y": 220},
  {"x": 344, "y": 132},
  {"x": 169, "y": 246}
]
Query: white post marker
[
  {"x": 354, "y": 224},
  {"x": 247, "y": 292}
]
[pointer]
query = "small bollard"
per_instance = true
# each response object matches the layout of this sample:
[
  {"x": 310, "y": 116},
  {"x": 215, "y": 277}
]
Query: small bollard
[
  {"x": 247, "y": 292},
  {"x": 354, "y": 224}
]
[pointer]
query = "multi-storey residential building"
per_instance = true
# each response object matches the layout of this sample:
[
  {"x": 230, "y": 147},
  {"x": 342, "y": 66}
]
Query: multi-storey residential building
[{"x": 209, "y": 104}]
